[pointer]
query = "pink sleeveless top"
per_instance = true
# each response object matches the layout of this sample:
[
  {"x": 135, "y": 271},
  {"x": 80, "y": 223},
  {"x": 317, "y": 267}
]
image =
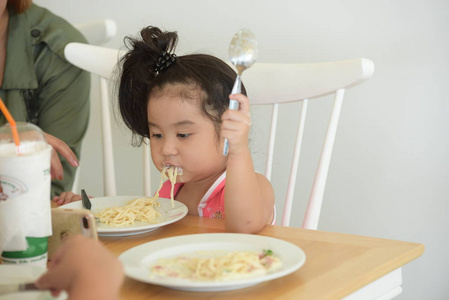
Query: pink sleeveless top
[{"x": 212, "y": 203}]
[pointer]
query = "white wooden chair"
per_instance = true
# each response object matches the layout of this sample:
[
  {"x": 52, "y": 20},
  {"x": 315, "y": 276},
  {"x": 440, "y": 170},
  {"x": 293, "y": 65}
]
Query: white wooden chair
[
  {"x": 275, "y": 84},
  {"x": 97, "y": 33},
  {"x": 269, "y": 84},
  {"x": 101, "y": 61}
]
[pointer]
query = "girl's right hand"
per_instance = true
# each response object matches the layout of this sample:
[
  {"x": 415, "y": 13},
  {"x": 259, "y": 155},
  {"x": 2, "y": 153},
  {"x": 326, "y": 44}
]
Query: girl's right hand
[
  {"x": 236, "y": 124},
  {"x": 66, "y": 197}
]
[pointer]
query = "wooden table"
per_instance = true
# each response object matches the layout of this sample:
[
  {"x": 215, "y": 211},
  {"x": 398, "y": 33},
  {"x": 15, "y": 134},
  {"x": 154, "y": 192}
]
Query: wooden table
[{"x": 336, "y": 265}]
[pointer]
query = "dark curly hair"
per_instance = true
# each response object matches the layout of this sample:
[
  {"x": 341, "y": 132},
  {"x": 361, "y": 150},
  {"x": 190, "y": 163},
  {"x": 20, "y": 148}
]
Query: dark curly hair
[{"x": 138, "y": 78}]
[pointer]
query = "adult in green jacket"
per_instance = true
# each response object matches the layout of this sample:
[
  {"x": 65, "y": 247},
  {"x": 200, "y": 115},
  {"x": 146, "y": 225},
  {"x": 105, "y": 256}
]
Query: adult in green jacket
[{"x": 39, "y": 86}]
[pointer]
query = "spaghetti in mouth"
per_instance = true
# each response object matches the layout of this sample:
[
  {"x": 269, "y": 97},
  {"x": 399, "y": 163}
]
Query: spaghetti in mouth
[
  {"x": 171, "y": 168},
  {"x": 142, "y": 209},
  {"x": 170, "y": 172}
]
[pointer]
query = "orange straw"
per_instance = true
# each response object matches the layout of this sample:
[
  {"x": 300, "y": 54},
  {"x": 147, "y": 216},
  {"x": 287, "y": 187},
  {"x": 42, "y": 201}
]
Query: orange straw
[{"x": 12, "y": 123}]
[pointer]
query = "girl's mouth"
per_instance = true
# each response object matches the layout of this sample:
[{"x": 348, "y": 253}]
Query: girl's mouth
[{"x": 178, "y": 169}]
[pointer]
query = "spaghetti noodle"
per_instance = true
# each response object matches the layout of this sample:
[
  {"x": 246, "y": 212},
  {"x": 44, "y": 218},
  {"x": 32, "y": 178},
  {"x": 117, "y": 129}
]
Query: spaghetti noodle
[
  {"x": 213, "y": 267},
  {"x": 142, "y": 209},
  {"x": 169, "y": 172}
]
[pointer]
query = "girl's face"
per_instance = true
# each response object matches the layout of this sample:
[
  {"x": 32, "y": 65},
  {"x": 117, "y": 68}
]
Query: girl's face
[{"x": 180, "y": 135}]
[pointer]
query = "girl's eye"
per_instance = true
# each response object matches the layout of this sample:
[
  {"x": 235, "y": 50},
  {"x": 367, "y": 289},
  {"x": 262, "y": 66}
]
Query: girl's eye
[
  {"x": 156, "y": 135},
  {"x": 183, "y": 135}
]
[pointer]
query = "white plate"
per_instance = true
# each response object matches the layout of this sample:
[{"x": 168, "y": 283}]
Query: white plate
[
  {"x": 137, "y": 261},
  {"x": 17, "y": 274},
  {"x": 32, "y": 295},
  {"x": 169, "y": 214}
]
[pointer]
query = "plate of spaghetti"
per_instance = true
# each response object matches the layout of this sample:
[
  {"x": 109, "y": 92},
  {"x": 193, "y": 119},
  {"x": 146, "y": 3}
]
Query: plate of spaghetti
[
  {"x": 212, "y": 262},
  {"x": 130, "y": 215}
]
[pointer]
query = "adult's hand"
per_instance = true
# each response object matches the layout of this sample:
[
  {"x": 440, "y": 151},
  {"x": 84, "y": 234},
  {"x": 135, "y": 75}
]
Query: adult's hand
[
  {"x": 85, "y": 269},
  {"x": 60, "y": 147}
]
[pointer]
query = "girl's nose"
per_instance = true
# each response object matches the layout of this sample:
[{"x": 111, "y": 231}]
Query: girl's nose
[{"x": 169, "y": 147}]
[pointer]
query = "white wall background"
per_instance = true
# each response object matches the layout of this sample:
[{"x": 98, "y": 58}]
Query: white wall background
[{"x": 389, "y": 172}]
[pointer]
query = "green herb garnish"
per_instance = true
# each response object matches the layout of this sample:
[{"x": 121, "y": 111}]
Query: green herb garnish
[{"x": 267, "y": 252}]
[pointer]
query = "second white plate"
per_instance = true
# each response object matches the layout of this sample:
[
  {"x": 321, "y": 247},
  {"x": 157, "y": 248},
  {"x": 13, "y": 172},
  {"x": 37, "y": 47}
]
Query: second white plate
[
  {"x": 169, "y": 214},
  {"x": 13, "y": 275},
  {"x": 137, "y": 261}
]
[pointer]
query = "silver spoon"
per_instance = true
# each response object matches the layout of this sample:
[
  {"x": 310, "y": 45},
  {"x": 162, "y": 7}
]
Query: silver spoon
[{"x": 242, "y": 53}]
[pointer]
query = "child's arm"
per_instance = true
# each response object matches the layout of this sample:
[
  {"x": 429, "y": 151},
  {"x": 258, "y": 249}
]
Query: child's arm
[
  {"x": 249, "y": 197},
  {"x": 66, "y": 197}
]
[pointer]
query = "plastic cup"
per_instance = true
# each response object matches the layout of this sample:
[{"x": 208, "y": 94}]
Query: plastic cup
[{"x": 25, "y": 209}]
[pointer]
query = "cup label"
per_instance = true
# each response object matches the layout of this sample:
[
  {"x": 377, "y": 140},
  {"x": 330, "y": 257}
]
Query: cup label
[
  {"x": 40, "y": 260},
  {"x": 11, "y": 187}
]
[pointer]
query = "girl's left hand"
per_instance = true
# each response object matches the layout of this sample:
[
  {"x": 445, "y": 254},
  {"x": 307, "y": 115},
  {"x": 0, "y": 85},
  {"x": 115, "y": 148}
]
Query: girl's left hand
[
  {"x": 236, "y": 125},
  {"x": 66, "y": 197}
]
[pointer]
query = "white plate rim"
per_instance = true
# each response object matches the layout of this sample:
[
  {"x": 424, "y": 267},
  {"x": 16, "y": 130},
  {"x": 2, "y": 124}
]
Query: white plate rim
[
  {"x": 180, "y": 209},
  {"x": 135, "y": 265},
  {"x": 32, "y": 295},
  {"x": 29, "y": 273}
]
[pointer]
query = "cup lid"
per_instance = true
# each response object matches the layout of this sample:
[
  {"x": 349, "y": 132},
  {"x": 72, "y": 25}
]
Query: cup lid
[{"x": 27, "y": 133}]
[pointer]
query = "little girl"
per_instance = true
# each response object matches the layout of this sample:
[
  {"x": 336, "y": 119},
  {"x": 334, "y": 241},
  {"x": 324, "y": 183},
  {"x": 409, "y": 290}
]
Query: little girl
[{"x": 181, "y": 104}]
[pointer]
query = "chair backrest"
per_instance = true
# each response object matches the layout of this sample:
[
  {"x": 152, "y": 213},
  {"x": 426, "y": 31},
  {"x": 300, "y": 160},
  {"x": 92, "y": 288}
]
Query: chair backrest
[
  {"x": 98, "y": 32},
  {"x": 101, "y": 61},
  {"x": 274, "y": 84},
  {"x": 269, "y": 84}
]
